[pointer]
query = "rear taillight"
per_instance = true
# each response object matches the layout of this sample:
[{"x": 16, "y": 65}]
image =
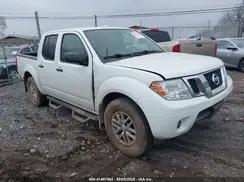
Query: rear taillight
[{"x": 176, "y": 48}]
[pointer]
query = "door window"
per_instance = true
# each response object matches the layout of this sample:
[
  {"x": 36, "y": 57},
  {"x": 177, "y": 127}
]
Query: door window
[
  {"x": 223, "y": 44},
  {"x": 73, "y": 50},
  {"x": 25, "y": 50},
  {"x": 49, "y": 47}
]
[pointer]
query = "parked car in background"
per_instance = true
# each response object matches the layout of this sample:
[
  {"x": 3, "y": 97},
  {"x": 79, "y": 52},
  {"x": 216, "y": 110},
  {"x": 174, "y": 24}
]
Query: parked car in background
[
  {"x": 8, "y": 66},
  {"x": 231, "y": 51},
  {"x": 121, "y": 78},
  {"x": 200, "y": 46}
]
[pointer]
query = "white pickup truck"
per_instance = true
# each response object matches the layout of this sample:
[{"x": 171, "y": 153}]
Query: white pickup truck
[{"x": 136, "y": 90}]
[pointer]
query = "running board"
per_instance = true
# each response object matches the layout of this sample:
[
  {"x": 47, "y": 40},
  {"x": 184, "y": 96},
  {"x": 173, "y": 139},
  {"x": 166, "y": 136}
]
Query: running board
[
  {"x": 77, "y": 113},
  {"x": 54, "y": 105}
]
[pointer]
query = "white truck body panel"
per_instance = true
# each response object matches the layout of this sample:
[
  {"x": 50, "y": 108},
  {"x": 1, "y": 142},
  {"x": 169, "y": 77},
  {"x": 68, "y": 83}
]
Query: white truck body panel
[
  {"x": 172, "y": 65},
  {"x": 86, "y": 86}
]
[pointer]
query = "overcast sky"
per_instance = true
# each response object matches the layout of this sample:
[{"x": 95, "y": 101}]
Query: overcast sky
[{"x": 91, "y": 7}]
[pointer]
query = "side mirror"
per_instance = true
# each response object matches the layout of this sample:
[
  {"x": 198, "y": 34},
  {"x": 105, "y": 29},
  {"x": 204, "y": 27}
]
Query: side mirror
[
  {"x": 76, "y": 58},
  {"x": 232, "y": 48}
]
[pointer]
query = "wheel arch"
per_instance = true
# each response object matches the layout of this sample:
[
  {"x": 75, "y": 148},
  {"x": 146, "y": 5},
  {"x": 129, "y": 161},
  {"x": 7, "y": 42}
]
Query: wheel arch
[
  {"x": 27, "y": 74},
  {"x": 242, "y": 59},
  {"x": 115, "y": 95},
  {"x": 30, "y": 72}
]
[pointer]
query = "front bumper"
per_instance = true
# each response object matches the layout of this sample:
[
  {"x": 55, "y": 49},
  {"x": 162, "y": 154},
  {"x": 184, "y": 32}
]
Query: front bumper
[{"x": 163, "y": 116}]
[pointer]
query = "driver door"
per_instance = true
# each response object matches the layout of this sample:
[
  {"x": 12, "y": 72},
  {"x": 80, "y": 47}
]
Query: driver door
[
  {"x": 224, "y": 53},
  {"x": 74, "y": 68}
]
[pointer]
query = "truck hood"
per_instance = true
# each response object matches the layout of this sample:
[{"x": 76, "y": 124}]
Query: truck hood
[{"x": 171, "y": 65}]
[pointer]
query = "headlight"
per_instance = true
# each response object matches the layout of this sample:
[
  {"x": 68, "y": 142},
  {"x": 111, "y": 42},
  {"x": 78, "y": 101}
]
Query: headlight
[{"x": 171, "y": 89}]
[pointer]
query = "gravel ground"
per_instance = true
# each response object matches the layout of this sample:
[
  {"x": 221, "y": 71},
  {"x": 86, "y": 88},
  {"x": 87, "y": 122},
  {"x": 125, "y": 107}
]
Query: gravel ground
[{"x": 44, "y": 144}]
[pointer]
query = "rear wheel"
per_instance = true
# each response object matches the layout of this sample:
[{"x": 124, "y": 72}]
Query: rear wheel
[
  {"x": 126, "y": 127},
  {"x": 35, "y": 96},
  {"x": 241, "y": 65}
]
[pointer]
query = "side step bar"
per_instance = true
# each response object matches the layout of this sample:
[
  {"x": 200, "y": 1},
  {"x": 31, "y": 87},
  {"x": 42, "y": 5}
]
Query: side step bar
[{"x": 77, "y": 113}]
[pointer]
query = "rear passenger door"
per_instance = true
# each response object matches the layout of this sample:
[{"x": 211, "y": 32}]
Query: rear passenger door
[
  {"x": 47, "y": 66},
  {"x": 74, "y": 71}
]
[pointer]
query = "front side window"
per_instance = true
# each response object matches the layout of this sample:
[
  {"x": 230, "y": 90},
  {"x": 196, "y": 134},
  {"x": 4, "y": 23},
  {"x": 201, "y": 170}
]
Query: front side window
[
  {"x": 239, "y": 42},
  {"x": 73, "y": 51},
  {"x": 116, "y": 44},
  {"x": 223, "y": 44},
  {"x": 49, "y": 47}
]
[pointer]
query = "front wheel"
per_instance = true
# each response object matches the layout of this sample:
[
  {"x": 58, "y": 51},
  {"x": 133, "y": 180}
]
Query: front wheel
[
  {"x": 126, "y": 127},
  {"x": 241, "y": 65}
]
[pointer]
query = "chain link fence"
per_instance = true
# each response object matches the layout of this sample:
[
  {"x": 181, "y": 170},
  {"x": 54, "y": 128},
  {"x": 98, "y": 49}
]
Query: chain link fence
[
  {"x": 10, "y": 48},
  {"x": 182, "y": 32},
  {"x": 8, "y": 58}
]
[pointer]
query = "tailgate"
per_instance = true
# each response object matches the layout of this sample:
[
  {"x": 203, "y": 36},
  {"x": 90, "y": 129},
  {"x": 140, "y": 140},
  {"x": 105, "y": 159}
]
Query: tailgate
[{"x": 201, "y": 47}]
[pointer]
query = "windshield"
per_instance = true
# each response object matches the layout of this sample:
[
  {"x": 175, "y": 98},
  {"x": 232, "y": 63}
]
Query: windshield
[
  {"x": 10, "y": 52},
  {"x": 238, "y": 42},
  {"x": 115, "y": 44}
]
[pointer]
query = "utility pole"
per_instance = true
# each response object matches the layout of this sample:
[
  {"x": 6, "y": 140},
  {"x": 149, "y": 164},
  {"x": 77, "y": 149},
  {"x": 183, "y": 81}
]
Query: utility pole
[
  {"x": 140, "y": 25},
  {"x": 38, "y": 25},
  {"x": 95, "y": 18},
  {"x": 209, "y": 24},
  {"x": 172, "y": 33}
]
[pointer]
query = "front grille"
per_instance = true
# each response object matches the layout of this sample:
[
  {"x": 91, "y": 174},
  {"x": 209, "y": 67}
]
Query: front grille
[
  {"x": 214, "y": 79},
  {"x": 194, "y": 86},
  {"x": 208, "y": 84}
]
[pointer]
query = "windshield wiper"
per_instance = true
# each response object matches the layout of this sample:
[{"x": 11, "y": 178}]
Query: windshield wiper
[
  {"x": 118, "y": 55},
  {"x": 145, "y": 52},
  {"x": 140, "y": 53}
]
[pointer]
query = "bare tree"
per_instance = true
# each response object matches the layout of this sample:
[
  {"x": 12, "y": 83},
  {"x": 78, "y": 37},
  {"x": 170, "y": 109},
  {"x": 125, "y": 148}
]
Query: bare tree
[
  {"x": 3, "y": 25},
  {"x": 234, "y": 18}
]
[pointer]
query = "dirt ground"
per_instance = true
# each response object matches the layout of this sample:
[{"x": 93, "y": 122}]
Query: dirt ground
[{"x": 44, "y": 144}]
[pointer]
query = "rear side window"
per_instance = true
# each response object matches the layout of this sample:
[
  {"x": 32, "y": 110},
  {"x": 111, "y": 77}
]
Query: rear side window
[
  {"x": 25, "y": 50},
  {"x": 49, "y": 47},
  {"x": 34, "y": 48},
  {"x": 157, "y": 35}
]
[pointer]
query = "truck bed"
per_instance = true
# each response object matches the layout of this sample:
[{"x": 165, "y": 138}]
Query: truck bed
[
  {"x": 205, "y": 47},
  {"x": 23, "y": 60}
]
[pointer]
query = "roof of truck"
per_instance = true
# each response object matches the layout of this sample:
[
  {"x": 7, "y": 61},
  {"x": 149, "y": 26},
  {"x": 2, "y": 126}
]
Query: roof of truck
[{"x": 84, "y": 29}]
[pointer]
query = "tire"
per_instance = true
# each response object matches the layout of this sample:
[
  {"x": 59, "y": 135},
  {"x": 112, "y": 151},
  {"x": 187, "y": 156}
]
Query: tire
[
  {"x": 35, "y": 96},
  {"x": 241, "y": 65},
  {"x": 133, "y": 138},
  {"x": 13, "y": 73}
]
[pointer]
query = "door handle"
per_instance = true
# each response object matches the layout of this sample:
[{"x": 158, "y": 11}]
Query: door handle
[
  {"x": 41, "y": 66},
  {"x": 59, "y": 69}
]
